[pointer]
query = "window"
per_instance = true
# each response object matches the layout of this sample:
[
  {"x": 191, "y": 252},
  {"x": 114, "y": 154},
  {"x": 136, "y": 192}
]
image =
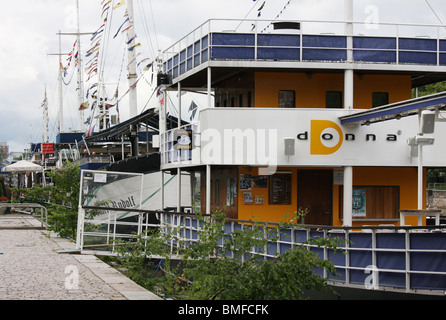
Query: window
[
  {"x": 287, "y": 99},
  {"x": 380, "y": 99},
  {"x": 333, "y": 99},
  {"x": 280, "y": 188},
  {"x": 217, "y": 192}
]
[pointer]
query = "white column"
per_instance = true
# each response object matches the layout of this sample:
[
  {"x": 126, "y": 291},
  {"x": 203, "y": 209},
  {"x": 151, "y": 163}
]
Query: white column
[
  {"x": 208, "y": 189},
  {"x": 178, "y": 190},
  {"x": 348, "y": 74},
  {"x": 162, "y": 190},
  {"x": 348, "y": 104},
  {"x": 209, "y": 87},
  {"x": 348, "y": 197},
  {"x": 420, "y": 177},
  {"x": 179, "y": 152},
  {"x": 348, "y": 89}
]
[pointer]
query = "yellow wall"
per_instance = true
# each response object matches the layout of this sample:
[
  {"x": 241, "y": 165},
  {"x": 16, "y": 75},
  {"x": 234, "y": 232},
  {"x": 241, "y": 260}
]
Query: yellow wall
[
  {"x": 266, "y": 212},
  {"x": 405, "y": 178},
  {"x": 311, "y": 93},
  {"x": 311, "y": 88}
]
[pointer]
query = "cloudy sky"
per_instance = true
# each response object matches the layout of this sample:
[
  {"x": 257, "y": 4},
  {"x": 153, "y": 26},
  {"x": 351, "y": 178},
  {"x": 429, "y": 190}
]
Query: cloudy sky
[{"x": 28, "y": 38}]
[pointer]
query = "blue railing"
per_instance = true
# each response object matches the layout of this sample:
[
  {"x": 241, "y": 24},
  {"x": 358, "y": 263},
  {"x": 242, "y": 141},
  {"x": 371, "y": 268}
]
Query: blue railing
[
  {"x": 256, "y": 46},
  {"x": 402, "y": 258},
  {"x": 405, "y": 258}
]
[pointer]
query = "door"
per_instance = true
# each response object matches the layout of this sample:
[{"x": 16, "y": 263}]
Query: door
[{"x": 315, "y": 193}]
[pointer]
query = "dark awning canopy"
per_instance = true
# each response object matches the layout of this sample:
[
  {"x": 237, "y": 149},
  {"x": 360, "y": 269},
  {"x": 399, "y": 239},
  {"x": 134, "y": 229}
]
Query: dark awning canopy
[{"x": 149, "y": 118}]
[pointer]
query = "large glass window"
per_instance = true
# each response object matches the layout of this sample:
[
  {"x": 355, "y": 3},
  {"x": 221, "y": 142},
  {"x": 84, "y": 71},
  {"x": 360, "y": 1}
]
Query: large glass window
[
  {"x": 333, "y": 99},
  {"x": 380, "y": 99},
  {"x": 287, "y": 99}
]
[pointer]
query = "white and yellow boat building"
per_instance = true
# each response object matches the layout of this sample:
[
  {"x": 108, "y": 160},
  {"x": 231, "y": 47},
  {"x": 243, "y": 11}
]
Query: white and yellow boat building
[{"x": 299, "y": 119}]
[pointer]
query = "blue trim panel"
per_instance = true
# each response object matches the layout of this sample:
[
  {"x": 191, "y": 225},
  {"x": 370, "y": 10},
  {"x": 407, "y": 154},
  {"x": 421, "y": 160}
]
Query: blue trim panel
[
  {"x": 364, "y": 116},
  {"x": 296, "y": 47}
]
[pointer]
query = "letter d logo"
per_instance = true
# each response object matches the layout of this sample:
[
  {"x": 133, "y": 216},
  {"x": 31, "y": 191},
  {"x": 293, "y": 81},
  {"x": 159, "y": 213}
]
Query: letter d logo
[{"x": 326, "y": 137}]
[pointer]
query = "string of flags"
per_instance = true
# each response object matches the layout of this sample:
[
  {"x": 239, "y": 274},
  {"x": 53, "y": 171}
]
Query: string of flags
[
  {"x": 262, "y": 6},
  {"x": 91, "y": 67},
  {"x": 93, "y": 54},
  {"x": 259, "y": 10},
  {"x": 74, "y": 53}
]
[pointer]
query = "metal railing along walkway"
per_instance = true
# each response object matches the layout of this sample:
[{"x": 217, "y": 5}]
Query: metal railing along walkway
[
  {"x": 20, "y": 208},
  {"x": 404, "y": 258}
]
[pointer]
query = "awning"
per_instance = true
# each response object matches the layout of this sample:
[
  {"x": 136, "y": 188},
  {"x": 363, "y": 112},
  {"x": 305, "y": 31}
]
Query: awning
[
  {"x": 149, "y": 117},
  {"x": 22, "y": 166},
  {"x": 396, "y": 110}
]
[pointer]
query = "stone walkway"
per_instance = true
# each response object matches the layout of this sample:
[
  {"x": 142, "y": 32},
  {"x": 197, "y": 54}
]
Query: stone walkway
[{"x": 34, "y": 265}]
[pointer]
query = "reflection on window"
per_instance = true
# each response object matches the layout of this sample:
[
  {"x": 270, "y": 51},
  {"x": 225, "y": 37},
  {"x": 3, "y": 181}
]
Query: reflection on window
[
  {"x": 287, "y": 99},
  {"x": 280, "y": 188},
  {"x": 380, "y": 99},
  {"x": 333, "y": 99}
]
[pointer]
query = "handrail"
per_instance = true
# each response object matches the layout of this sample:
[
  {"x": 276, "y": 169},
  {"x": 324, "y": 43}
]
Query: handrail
[
  {"x": 29, "y": 205},
  {"x": 399, "y": 253}
]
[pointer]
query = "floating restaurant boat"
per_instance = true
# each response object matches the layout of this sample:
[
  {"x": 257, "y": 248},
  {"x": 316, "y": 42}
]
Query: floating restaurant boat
[{"x": 315, "y": 121}]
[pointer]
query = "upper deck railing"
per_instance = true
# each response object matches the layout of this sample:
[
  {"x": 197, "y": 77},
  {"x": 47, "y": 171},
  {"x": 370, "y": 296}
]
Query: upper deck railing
[{"x": 314, "y": 41}]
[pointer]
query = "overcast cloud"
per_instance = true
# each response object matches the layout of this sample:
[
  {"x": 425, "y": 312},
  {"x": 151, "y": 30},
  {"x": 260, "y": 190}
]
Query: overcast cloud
[{"x": 29, "y": 30}]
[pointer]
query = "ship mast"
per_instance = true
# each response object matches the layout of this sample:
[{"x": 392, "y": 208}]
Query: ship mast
[
  {"x": 78, "y": 34},
  {"x": 80, "y": 116},
  {"x": 132, "y": 62},
  {"x": 132, "y": 76}
]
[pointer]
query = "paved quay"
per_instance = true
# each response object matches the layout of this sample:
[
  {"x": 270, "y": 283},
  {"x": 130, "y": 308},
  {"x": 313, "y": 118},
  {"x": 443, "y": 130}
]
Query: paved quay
[{"x": 33, "y": 267}]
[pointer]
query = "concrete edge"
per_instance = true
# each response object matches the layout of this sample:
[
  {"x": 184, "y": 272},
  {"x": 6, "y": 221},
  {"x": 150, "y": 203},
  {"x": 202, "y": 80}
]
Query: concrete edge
[{"x": 115, "y": 279}]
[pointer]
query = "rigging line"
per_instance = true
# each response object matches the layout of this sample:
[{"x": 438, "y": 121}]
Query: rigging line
[
  {"x": 115, "y": 58},
  {"x": 243, "y": 20},
  {"x": 154, "y": 28},
  {"x": 441, "y": 22},
  {"x": 106, "y": 38},
  {"x": 71, "y": 78},
  {"x": 150, "y": 98},
  {"x": 280, "y": 13},
  {"x": 146, "y": 26}
]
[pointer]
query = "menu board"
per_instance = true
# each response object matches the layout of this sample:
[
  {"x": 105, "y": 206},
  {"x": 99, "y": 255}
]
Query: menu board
[{"x": 280, "y": 189}]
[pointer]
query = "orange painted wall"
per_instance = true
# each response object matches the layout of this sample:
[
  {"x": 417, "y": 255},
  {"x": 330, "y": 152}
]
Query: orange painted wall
[
  {"x": 311, "y": 88},
  {"x": 311, "y": 93},
  {"x": 266, "y": 212},
  {"x": 406, "y": 178}
]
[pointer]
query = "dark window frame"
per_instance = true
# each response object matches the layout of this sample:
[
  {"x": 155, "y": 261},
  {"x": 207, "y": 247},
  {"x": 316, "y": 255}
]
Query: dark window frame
[
  {"x": 334, "y": 99},
  {"x": 283, "y": 195},
  {"x": 380, "y": 99},
  {"x": 286, "y": 101}
]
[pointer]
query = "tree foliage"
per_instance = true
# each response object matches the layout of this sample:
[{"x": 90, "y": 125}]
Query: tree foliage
[
  {"x": 60, "y": 199},
  {"x": 231, "y": 269},
  {"x": 430, "y": 89}
]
